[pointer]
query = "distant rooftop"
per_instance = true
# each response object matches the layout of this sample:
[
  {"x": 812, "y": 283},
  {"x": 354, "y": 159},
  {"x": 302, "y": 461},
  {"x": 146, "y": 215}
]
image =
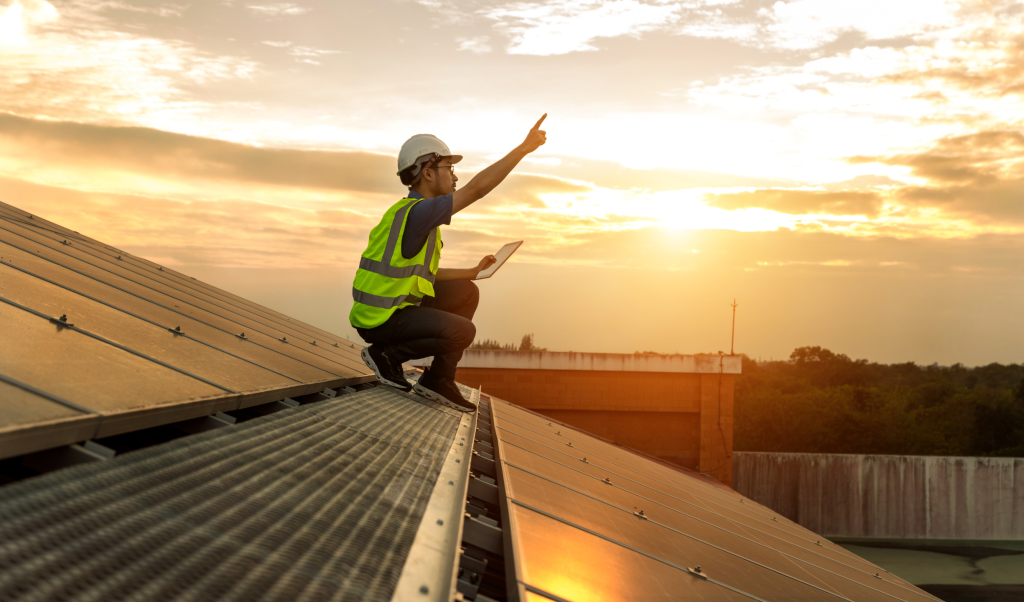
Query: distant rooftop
[{"x": 608, "y": 362}]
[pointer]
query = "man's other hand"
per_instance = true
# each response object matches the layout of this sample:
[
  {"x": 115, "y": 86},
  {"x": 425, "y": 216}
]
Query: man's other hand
[
  {"x": 536, "y": 137},
  {"x": 485, "y": 263}
]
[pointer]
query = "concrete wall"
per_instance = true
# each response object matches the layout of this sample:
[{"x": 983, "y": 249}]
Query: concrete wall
[
  {"x": 899, "y": 497},
  {"x": 603, "y": 362},
  {"x": 672, "y": 415}
]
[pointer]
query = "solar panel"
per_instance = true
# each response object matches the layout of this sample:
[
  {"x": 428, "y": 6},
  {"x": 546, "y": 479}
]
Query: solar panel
[
  {"x": 600, "y": 502},
  {"x": 105, "y": 343}
]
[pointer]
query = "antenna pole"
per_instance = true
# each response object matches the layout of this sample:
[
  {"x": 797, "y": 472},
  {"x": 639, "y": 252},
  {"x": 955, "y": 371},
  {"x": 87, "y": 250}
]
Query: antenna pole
[{"x": 732, "y": 344}]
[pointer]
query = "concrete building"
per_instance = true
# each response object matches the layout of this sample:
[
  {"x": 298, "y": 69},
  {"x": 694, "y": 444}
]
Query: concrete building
[{"x": 676, "y": 407}]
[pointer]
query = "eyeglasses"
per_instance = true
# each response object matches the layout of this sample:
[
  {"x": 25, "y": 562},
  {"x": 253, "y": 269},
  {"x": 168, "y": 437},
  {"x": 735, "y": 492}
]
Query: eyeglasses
[{"x": 451, "y": 168}]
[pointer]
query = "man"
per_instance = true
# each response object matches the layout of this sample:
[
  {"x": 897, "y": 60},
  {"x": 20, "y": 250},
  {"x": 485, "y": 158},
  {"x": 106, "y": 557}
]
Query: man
[{"x": 405, "y": 305}]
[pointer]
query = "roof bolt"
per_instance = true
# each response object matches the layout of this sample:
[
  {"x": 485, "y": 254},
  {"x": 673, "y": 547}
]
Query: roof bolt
[
  {"x": 119, "y": 257},
  {"x": 569, "y": 443},
  {"x": 775, "y": 519},
  {"x": 878, "y": 576},
  {"x": 242, "y": 335},
  {"x": 335, "y": 344},
  {"x": 558, "y": 432},
  {"x": 314, "y": 342},
  {"x": 64, "y": 318},
  {"x": 585, "y": 460},
  {"x": 285, "y": 339},
  {"x": 161, "y": 268},
  {"x": 64, "y": 242},
  {"x": 424, "y": 590},
  {"x": 817, "y": 543},
  {"x": 696, "y": 569},
  {"x": 607, "y": 481}
]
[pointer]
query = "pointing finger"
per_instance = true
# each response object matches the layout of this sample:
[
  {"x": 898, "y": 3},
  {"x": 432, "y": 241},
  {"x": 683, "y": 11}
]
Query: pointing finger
[{"x": 543, "y": 117}]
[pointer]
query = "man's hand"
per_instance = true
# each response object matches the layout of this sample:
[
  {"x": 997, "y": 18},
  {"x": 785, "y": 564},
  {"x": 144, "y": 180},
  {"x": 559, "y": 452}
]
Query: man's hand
[
  {"x": 486, "y": 180},
  {"x": 485, "y": 263},
  {"x": 536, "y": 137}
]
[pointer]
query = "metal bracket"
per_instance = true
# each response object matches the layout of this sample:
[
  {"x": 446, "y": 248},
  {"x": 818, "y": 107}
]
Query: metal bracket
[
  {"x": 697, "y": 572},
  {"x": 482, "y": 464},
  {"x": 481, "y": 489},
  {"x": 487, "y": 537},
  {"x": 69, "y": 455},
  {"x": 205, "y": 423}
]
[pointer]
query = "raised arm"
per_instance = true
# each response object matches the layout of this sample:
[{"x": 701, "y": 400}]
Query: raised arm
[{"x": 486, "y": 180}]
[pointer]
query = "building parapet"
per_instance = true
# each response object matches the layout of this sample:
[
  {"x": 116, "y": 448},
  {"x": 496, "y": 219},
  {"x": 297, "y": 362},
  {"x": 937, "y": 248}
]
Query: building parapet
[{"x": 607, "y": 362}]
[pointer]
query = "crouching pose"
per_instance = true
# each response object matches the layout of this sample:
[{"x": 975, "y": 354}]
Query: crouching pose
[{"x": 406, "y": 306}]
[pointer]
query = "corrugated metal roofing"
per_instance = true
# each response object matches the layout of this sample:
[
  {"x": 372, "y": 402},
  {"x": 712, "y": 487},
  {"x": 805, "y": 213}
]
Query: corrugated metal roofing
[{"x": 318, "y": 502}]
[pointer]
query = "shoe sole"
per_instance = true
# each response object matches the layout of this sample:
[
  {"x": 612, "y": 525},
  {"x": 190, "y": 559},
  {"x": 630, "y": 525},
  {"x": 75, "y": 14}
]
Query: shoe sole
[
  {"x": 365, "y": 354},
  {"x": 441, "y": 399}
]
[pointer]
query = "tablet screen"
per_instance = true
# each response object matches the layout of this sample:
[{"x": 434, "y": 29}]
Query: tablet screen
[{"x": 501, "y": 256}]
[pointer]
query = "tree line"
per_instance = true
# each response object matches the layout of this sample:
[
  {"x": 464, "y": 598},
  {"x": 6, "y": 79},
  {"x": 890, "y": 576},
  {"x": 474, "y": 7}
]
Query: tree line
[{"x": 825, "y": 402}]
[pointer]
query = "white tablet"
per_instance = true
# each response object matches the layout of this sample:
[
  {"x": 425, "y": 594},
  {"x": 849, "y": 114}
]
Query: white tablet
[{"x": 501, "y": 256}]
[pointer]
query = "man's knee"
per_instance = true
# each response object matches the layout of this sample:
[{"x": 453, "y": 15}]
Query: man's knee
[
  {"x": 467, "y": 334},
  {"x": 469, "y": 292}
]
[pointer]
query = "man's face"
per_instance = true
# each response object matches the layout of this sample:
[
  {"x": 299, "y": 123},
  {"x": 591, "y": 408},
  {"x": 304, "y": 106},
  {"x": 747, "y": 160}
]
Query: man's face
[{"x": 445, "y": 177}]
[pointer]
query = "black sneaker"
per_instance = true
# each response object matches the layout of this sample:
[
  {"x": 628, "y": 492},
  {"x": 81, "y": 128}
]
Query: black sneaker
[
  {"x": 444, "y": 391},
  {"x": 388, "y": 371}
]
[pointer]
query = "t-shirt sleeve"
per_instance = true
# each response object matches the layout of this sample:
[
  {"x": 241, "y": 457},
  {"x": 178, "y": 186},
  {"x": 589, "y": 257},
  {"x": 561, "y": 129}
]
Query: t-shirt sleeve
[{"x": 424, "y": 217}]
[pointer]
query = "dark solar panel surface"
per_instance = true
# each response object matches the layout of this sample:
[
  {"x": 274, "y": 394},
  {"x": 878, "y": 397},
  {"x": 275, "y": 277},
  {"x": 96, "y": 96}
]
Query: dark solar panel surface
[
  {"x": 319, "y": 502},
  {"x": 142, "y": 345},
  {"x": 575, "y": 504}
]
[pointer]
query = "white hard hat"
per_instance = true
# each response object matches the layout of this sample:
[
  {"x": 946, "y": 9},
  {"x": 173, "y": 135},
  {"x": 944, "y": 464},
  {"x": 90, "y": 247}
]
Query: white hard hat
[{"x": 422, "y": 145}]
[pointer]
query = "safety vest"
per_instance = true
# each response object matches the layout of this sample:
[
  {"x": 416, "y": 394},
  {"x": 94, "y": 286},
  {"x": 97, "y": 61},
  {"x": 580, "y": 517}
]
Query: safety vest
[{"x": 386, "y": 281}]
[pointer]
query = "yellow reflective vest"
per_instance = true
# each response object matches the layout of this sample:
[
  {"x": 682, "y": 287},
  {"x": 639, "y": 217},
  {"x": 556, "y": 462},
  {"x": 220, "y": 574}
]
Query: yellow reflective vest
[{"x": 386, "y": 281}]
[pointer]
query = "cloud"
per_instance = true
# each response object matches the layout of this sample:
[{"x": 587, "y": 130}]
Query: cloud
[
  {"x": 227, "y": 233},
  {"x": 565, "y": 26},
  {"x": 476, "y": 45},
  {"x": 19, "y": 16},
  {"x": 978, "y": 176},
  {"x": 169, "y": 155},
  {"x": 164, "y": 10},
  {"x": 303, "y": 53},
  {"x": 802, "y": 202},
  {"x": 76, "y": 65},
  {"x": 278, "y": 9},
  {"x": 811, "y": 24}
]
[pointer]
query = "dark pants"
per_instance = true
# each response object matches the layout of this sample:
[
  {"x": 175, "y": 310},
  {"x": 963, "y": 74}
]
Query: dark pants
[{"x": 441, "y": 326}]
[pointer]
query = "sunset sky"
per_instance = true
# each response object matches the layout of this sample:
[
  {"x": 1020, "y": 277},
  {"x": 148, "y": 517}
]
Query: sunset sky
[{"x": 852, "y": 173}]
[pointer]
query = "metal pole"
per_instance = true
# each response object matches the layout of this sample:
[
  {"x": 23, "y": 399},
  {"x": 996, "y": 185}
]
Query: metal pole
[{"x": 732, "y": 344}]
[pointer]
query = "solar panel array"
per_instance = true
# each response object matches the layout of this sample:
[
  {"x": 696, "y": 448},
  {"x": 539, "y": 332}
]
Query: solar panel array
[
  {"x": 99, "y": 342},
  {"x": 590, "y": 520}
]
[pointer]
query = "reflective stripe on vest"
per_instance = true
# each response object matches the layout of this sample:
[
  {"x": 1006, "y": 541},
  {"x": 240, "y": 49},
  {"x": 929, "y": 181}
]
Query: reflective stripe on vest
[{"x": 371, "y": 308}]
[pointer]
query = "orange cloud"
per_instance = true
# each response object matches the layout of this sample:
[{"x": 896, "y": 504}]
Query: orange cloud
[
  {"x": 979, "y": 176},
  {"x": 802, "y": 202}
]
